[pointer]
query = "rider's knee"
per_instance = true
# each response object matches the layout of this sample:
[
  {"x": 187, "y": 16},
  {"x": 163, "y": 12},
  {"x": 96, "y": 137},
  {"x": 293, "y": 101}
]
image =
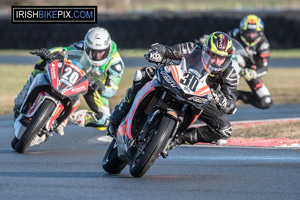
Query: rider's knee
[
  {"x": 223, "y": 129},
  {"x": 265, "y": 102}
]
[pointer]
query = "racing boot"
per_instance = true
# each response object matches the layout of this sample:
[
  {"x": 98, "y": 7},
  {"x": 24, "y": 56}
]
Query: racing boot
[
  {"x": 119, "y": 112},
  {"x": 201, "y": 134},
  {"x": 21, "y": 96},
  {"x": 84, "y": 118},
  {"x": 60, "y": 128},
  {"x": 75, "y": 118}
]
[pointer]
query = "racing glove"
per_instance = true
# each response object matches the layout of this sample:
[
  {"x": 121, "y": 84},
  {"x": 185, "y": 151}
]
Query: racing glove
[
  {"x": 156, "y": 54},
  {"x": 219, "y": 98},
  {"x": 97, "y": 86},
  {"x": 249, "y": 74},
  {"x": 46, "y": 55}
]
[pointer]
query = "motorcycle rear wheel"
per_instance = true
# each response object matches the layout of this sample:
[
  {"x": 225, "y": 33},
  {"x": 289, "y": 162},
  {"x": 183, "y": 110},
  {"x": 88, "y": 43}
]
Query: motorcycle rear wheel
[
  {"x": 37, "y": 123},
  {"x": 111, "y": 162},
  {"x": 144, "y": 158}
]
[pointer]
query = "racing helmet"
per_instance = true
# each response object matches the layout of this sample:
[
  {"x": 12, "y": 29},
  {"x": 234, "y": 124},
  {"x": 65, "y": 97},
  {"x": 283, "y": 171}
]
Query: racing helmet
[
  {"x": 251, "y": 29},
  {"x": 217, "y": 45},
  {"x": 97, "y": 45}
]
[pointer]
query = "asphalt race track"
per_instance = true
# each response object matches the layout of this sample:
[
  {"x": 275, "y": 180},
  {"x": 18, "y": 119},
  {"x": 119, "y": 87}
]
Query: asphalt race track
[{"x": 69, "y": 167}]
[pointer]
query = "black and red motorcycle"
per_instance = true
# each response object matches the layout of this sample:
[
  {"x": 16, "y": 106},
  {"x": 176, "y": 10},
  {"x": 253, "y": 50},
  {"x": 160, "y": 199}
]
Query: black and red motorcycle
[
  {"x": 162, "y": 109},
  {"x": 51, "y": 98}
]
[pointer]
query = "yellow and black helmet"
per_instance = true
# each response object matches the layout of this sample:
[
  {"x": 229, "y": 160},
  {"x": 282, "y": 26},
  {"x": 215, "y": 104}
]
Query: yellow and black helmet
[
  {"x": 217, "y": 44},
  {"x": 251, "y": 24}
]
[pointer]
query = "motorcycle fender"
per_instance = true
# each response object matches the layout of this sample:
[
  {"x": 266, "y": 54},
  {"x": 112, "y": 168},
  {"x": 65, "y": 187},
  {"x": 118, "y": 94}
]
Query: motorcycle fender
[{"x": 42, "y": 96}]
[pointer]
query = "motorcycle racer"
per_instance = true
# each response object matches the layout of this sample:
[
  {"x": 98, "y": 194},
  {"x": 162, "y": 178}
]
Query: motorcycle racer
[
  {"x": 216, "y": 55},
  {"x": 251, "y": 35},
  {"x": 108, "y": 68}
]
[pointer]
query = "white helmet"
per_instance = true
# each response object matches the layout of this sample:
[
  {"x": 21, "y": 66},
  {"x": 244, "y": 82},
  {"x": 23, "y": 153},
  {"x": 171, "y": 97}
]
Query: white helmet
[{"x": 97, "y": 44}]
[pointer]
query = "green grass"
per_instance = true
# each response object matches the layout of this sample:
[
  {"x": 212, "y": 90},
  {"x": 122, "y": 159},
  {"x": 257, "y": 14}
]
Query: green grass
[{"x": 284, "y": 85}]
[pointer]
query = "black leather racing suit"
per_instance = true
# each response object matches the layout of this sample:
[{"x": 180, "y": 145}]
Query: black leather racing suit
[
  {"x": 259, "y": 55},
  {"x": 218, "y": 127}
]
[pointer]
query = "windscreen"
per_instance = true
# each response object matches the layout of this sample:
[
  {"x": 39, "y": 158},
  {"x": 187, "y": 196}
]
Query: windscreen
[
  {"x": 79, "y": 58},
  {"x": 194, "y": 63}
]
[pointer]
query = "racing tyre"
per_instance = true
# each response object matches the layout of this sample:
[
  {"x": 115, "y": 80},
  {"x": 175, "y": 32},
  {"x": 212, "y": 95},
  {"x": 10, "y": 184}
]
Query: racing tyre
[
  {"x": 14, "y": 142},
  {"x": 38, "y": 121},
  {"x": 148, "y": 152},
  {"x": 111, "y": 162}
]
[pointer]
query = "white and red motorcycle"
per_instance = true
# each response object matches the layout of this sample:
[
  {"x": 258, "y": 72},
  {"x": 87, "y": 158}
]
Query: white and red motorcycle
[{"x": 51, "y": 98}]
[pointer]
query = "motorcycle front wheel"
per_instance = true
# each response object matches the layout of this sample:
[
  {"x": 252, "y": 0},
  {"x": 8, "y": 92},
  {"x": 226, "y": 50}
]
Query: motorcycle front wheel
[
  {"x": 111, "y": 162},
  {"x": 38, "y": 121},
  {"x": 148, "y": 152}
]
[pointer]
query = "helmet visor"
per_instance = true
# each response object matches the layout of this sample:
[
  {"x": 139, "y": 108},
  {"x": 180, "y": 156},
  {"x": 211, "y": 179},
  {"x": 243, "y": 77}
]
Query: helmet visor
[
  {"x": 98, "y": 55},
  {"x": 215, "y": 62}
]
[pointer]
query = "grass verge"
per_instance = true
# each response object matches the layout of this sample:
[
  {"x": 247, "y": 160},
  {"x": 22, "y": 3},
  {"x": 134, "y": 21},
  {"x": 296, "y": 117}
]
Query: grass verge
[{"x": 283, "y": 129}]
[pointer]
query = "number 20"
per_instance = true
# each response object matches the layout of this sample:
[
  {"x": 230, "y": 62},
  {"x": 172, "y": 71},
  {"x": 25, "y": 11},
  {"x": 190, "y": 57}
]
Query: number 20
[{"x": 70, "y": 75}]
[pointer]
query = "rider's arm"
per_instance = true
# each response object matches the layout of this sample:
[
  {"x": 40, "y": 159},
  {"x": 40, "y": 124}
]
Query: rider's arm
[
  {"x": 228, "y": 81},
  {"x": 176, "y": 52},
  {"x": 115, "y": 70},
  {"x": 261, "y": 60},
  {"x": 229, "y": 88}
]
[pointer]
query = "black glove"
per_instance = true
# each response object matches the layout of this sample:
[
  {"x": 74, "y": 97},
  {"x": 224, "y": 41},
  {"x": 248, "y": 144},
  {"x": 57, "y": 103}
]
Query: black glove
[
  {"x": 45, "y": 54},
  {"x": 98, "y": 86},
  {"x": 220, "y": 98},
  {"x": 156, "y": 53}
]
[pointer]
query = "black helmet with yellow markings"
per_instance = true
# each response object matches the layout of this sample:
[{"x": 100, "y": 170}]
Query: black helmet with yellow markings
[{"x": 217, "y": 51}]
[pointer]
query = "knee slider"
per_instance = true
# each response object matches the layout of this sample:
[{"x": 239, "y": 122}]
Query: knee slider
[
  {"x": 226, "y": 132},
  {"x": 266, "y": 102}
]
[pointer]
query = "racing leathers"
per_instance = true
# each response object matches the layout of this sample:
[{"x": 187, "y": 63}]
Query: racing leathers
[
  {"x": 225, "y": 82},
  {"x": 256, "y": 66},
  {"x": 109, "y": 74}
]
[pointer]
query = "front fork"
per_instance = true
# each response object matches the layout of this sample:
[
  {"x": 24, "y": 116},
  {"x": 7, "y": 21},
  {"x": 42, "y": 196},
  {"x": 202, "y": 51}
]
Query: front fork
[
  {"x": 179, "y": 119},
  {"x": 171, "y": 114},
  {"x": 19, "y": 125}
]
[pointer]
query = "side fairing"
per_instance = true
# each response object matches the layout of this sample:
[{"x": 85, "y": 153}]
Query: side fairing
[{"x": 124, "y": 133}]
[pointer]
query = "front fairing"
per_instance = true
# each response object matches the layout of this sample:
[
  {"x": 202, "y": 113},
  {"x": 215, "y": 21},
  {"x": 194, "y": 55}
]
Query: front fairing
[
  {"x": 70, "y": 77},
  {"x": 187, "y": 79}
]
